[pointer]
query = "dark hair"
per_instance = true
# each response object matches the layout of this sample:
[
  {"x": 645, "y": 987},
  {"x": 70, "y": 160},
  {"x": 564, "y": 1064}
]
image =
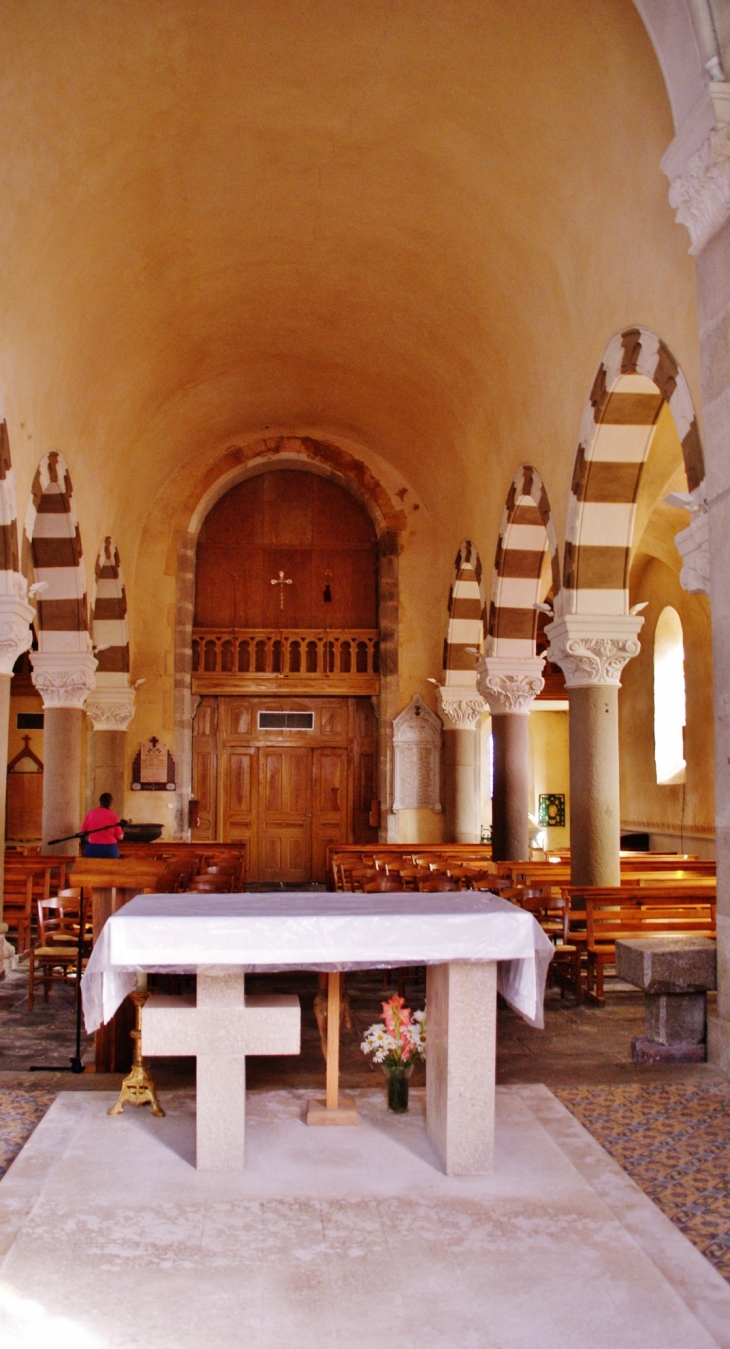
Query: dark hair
[{"x": 105, "y": 800}]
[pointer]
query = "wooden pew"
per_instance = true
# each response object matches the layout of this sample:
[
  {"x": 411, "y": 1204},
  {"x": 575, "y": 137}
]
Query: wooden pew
[
  {"x": 28, "y": 879},
  {"x": 610, "y": 913}
]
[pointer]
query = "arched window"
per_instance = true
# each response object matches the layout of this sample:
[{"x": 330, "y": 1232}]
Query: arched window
[{"x": 669, "y": 698}]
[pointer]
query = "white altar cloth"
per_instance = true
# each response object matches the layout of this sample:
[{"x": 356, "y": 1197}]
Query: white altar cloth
[{"x": 314, "y": 930}]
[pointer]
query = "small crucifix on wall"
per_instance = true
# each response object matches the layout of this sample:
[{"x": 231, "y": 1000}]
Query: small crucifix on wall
[{"x": 281, "y": 582}]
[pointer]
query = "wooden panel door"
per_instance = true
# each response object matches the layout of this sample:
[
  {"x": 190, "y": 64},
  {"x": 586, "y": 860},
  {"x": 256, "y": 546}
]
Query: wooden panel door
[
  {"x": 330, "y": 806},
  {"x": 204, "y": 767},
  {"x": 285, "y": 814}
]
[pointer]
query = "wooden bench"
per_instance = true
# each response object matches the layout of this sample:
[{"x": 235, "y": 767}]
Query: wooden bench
[
  {"x": 612, "y": 913},
  {"x": 26, "y": 881}
]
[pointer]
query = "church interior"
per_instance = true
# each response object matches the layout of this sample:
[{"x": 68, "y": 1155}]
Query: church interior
[{"x": 365, "y": 550}]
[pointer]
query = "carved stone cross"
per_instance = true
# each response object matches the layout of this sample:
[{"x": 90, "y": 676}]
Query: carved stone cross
[
  {"x": 281, "y": 582},
  {"x": 219, "y": 1030}
]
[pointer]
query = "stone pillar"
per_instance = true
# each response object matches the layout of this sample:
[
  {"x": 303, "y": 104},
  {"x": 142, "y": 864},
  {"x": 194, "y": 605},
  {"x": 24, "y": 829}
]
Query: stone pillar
[
  {"x": 461, "y": 710},
  {"x": 110, "y": 711},
  {"x": 698, "y": 165},
  {"x": 592, "y": 651},
  {"x": 16, "y": 615},
  {"x": 509, "y": 686},
  {"x": 64, "y": 679}
]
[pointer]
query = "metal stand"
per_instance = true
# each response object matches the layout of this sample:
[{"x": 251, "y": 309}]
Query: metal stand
[{"x": 138, "y": 1087}]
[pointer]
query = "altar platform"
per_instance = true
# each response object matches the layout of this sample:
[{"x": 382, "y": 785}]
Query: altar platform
[{"x": 339, "y": 1239}]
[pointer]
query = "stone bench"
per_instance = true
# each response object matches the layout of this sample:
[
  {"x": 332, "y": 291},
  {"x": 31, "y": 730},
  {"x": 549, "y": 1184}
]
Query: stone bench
[{"x": 675, "y": 973}]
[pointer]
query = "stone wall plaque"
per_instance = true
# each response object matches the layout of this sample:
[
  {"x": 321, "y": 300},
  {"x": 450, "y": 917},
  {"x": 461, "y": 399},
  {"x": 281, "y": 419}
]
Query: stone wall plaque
[
  {"x": 154, "y": 768},
  {"x": 417, "y": 758}
]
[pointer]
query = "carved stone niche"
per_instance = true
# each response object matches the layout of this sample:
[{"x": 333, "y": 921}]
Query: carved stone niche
[{"x": 417, "y": 758}]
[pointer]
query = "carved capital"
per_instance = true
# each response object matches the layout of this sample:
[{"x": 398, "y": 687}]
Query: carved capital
[
  {"x": 592, "y": 649},
  {"x": 110, "y": 709},
  {"x": 460, "y": 708},
  {"x": 693, "y": 543},
  {"x": 700, "y": 189},
  {"x": 510, "y": 685},
  {"x": 16, "y": 616},
  {"x": 63, "y": 678}
]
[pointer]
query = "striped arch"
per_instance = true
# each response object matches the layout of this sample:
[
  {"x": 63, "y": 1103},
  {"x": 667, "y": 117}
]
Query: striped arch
[
  {"x": 467, "y": 612},
  {"x": 109, "y": 617},
  {"x": 53, "y": 530},
  {"x": 526, "y": 532},
  {"x": 637, "y": 375},
  {"x": 9, "y": 553}
]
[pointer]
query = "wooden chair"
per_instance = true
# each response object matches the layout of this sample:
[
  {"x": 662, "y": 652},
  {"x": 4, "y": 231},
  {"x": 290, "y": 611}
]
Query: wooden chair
[
  {"x": 438, "y": 883},
  {"x": 56, "y": 955},
  {"x": 383, "y": 885},
  {"x": 553, "y": 914}
]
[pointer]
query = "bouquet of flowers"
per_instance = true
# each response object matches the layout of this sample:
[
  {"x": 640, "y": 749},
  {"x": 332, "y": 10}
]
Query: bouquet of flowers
[{"x": 401, "y": 1041}]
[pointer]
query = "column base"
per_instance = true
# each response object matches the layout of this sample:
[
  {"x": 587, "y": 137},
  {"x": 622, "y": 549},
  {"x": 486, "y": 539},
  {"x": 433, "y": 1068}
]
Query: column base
[
  {"x": 718, "y": 1043},
  {"x": 644, "y": 1050}
]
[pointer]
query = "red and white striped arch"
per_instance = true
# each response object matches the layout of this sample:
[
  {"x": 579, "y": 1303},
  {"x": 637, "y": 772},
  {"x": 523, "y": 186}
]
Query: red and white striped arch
[
  {"x": 53, "y": 530},
  {"x": 109, "y": 614},
  {"x": 637, "y": 376},
  {"x": 526, "y": 534},
  {"x": 9, "y": 554},
  {"x": 467, "y": 612}
]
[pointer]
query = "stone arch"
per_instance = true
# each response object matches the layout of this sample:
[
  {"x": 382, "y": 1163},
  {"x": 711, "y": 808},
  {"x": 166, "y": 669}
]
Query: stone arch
[
  {"x": 526, "y": 533},
  {"x": 467, "y": 614},
  {"x": 637, "y": 375},
  {"x": 334, "y": 462},
  {"x": 109, "y": 625},
  {"x": 9, "y": 552},
  {"x": 52, "y": 527}
]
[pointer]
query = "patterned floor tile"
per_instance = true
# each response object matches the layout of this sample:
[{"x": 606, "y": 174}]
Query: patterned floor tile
[{"x": 673, "y": 1139}]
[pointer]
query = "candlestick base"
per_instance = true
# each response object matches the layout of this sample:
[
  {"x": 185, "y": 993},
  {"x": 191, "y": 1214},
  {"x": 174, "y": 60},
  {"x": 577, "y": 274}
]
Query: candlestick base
[{"x": 138, "y": 1087}]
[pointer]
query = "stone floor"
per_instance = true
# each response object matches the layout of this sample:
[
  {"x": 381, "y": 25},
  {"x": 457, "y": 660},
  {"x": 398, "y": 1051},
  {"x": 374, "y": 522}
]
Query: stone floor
[
  {"x": 580, "y": 1045},
  {"x": 339, "y": 1238}
]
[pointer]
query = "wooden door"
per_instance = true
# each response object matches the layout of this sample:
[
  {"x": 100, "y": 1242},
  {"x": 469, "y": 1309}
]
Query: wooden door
[
  {"x": 205, "y": 767},
  {"x": 330, "y": 805},
  {"x": 285, "y": 814}
]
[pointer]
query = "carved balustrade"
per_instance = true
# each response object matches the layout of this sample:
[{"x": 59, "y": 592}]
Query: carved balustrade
[{"x": 295, "y": 660}]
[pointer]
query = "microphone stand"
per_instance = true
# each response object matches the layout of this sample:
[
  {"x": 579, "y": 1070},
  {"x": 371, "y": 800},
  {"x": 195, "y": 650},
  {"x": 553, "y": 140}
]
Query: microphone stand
[{"x": 75, "y": 1064}]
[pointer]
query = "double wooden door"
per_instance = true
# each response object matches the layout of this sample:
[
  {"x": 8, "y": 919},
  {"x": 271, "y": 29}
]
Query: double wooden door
[{"x": 286, "y": 791}]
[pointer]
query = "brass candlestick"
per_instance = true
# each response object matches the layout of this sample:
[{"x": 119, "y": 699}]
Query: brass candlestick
[{"x": 138, "y": 1087}]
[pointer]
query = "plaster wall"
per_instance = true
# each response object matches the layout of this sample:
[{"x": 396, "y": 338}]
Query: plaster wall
[
  {"x": 683, "y": 811},
  {"x": 550, "y": 762}
]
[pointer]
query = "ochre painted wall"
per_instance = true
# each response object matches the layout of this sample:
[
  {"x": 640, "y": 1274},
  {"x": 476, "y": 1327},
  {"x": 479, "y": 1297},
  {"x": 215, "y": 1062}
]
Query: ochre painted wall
[{"x": 645, "y": 804}]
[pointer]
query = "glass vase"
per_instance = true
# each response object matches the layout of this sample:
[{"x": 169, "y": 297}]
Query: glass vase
[{"x": 398, "y": 1077}]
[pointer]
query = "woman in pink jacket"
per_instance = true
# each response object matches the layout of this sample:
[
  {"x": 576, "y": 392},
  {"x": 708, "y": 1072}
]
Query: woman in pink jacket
[{"x": 103, "y": 828}]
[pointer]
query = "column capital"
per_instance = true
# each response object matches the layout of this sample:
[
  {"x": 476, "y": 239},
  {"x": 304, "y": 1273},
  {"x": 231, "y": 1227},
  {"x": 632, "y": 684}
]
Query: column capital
[
  {"x": 698, "y": 166},
  {"x": 592, "y": 649},
  {"x": 16, "y": 616},
  {"x": 460, "y": 708},
  {"x": 693, "y": 543},
  {"x": 63, "y": 678},
  {"x": 510, "y": 684},
  {"x": 110, "y": 709}
]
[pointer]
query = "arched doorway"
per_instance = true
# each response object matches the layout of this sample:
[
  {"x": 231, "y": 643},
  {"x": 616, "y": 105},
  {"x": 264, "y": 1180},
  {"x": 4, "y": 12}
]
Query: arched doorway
[{"x": 285, "y": 664}]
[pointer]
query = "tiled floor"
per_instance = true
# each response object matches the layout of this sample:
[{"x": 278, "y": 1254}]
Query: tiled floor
[
  {"x": 669, "y": 1127},
  {"x": 340, "y": 1238}
]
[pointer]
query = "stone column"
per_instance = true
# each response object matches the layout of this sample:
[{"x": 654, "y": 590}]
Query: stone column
[
  {"x": 592, "y": 651},
  {"x": 510, "y": 686},
  {"x": 461, "y": 710},
  {"x": 110, "y": 711},
  {"x": 16, "y": 615},
  {"x": 698, "y": 165},
  {"x": 64, "y": 679}
]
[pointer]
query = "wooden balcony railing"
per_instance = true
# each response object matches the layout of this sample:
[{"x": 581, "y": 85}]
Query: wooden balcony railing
[{"x": 298, "y": 657}]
